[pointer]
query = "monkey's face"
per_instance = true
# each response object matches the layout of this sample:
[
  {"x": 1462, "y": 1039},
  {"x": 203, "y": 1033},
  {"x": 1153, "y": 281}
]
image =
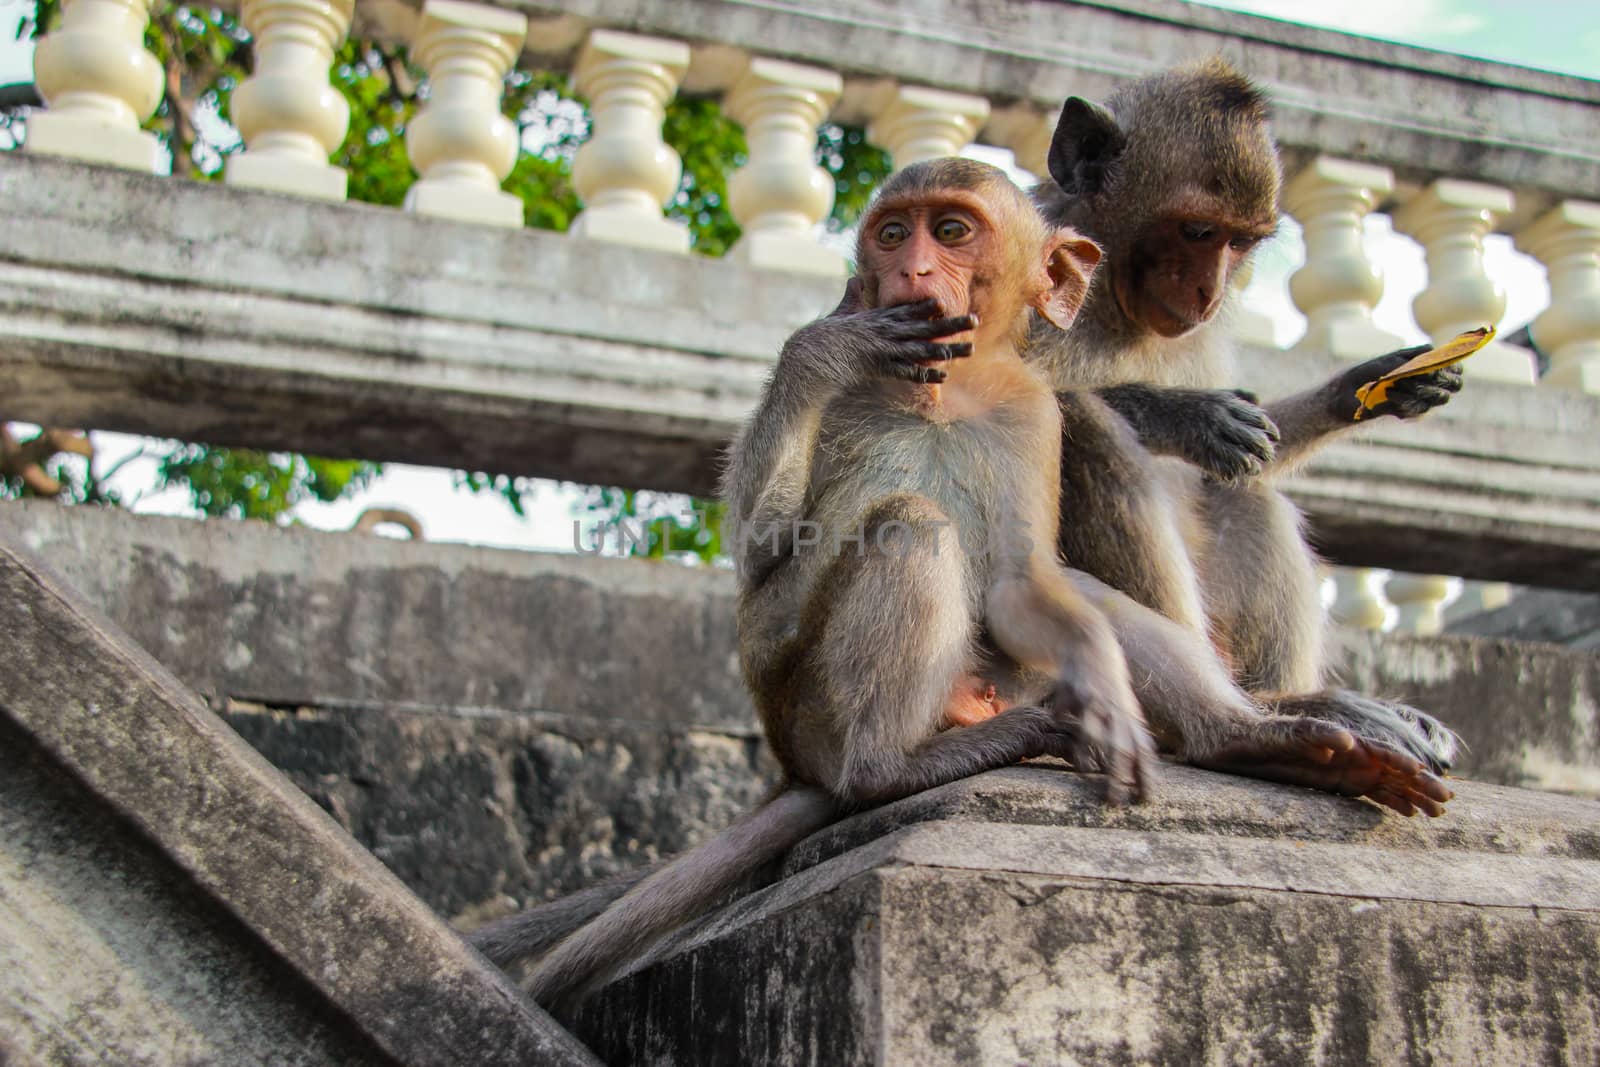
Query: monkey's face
[
  {"x": 1175, "y": 272},
  {"x": 941, "y": 248}
]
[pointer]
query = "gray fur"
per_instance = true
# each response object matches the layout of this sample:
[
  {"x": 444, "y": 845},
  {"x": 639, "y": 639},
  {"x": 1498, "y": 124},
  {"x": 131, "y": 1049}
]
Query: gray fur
[{"x": 1202, "y": 128}]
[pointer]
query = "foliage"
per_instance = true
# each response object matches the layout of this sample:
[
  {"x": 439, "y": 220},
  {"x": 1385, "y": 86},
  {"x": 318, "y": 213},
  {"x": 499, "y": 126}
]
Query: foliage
[
  {"x": 207, "y": 54},
  {"x": 672, "y": 525},
  {"x": 247, "y": 484}
]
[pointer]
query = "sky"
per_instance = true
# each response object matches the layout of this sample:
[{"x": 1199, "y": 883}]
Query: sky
[{"x": 1558, "y": 35}]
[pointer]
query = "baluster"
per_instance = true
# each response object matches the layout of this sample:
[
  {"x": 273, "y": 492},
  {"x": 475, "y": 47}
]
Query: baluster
[
  {"x": 1356, "y": 602},
  {"x": 918, "y": 123},
  {"x": 460, "y": 143},
  {"x": 1420, "y": 599},
  {"x": 1450, "y": 219},
  {"x": 1339, "y": 286},
  {"x": 1567, "y": 241},
  {"x": 626, "y": 172},
  {"x": 100, "y": 84},
  {"x": 291, "y": 119},
  {"x": 780, "y": 195},
  {"x": 1027, "y": 133}
]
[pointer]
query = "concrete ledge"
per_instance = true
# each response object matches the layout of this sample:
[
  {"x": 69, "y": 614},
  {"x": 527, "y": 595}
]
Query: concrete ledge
[
  {"x": 624, "y": 649},
  {"x": 208, "y": 829},
  {"x": 1012, "y": 918},
  {"x": 348, "y": 330}
]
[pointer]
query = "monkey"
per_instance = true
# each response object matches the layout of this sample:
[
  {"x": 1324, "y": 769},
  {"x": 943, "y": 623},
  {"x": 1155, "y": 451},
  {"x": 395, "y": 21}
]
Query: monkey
[
  {"x": 786, "y": 601},
  {"x": 894, "y": 509},
  {"x": 1178, "y": 179}
]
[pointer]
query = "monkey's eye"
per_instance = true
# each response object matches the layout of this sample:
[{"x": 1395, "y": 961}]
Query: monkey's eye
[
  {"x": 892, "y": 233},
  {"x": 949, "y": 231},
  {"x": 1243, "y": 243},
  {"x": 1196, "y": 231}
]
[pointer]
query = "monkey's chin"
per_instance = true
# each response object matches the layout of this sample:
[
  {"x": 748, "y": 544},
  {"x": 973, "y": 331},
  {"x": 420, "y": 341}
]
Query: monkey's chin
[{"x": 1164, "y": 322}]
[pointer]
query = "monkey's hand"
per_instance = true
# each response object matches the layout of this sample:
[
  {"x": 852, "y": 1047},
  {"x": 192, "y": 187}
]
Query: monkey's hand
[
  {"x": 1408, "y": 397},
  {"x": 1223, "y": 432},
  {"x": 897, "y": 343},
  {"x": 1323, "y": 755},
  {"x": 1227, "y": 434},
  {"x": 1102, "y": 729}
]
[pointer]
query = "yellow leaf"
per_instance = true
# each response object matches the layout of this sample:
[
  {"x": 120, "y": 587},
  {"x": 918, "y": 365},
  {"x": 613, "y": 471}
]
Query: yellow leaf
[{"x": 1453, "y": 351}]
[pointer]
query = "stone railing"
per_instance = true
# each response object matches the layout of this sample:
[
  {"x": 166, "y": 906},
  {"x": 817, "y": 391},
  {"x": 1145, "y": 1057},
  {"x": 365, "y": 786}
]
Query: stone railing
[{"x": 1503, "y": 486}]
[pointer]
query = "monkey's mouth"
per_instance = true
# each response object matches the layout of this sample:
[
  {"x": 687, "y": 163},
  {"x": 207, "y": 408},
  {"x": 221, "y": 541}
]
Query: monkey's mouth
[{"x": 1162, "y": 318}]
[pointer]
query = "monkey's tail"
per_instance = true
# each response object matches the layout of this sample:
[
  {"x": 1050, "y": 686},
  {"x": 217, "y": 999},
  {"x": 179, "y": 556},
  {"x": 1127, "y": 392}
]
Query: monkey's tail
[
  {"x": 528, "y": 933},
  {"x": 680, "y": 891}
]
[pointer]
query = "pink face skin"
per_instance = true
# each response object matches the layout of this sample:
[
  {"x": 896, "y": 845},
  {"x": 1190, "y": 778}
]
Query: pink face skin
[
  {"x": 919, "y": 249},
  {"x": 1176, "y": 274}
]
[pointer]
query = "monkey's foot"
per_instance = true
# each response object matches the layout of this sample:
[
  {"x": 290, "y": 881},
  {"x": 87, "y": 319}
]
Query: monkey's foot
[
  {"x": 1098, "y": 730},
  {"x": 1322, "y": 755},
  {"x": 971, "y": 701}
]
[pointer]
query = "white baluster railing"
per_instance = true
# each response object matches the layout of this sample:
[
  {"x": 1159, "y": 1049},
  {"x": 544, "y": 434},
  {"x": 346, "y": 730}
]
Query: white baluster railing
[
  {"x": 460, "y": 143},
  {"x": 915, "y": 123},
  {"x": 1339, "y": 286},
  {"x": 626, "y": 172},
  {"x": 1567, "y": 241},
  {"x": 1450, "y": 218},
  {"x": 291, "y": 119},
  {"x": 1356, "y": 601},
  {"x": 780, "y": 194},
  {"x": 100, "y": 84},
  {"x": 1420, "y": 599}
]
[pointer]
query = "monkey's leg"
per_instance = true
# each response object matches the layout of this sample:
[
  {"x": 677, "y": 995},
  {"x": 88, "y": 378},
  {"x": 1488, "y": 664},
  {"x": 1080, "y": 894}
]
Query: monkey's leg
[
  {"x": 886, "y": 640},
  {"x": 1200, "y": 713},
  {"x": 1265, "y": 595},
  {"x": 1262, "y": 590},
  {"x": 1121, "y": 521}
]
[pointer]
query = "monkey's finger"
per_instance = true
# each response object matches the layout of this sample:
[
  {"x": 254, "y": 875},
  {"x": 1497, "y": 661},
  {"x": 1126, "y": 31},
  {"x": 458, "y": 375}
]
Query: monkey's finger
[
  {"x": 1247, "y": 396},
  {"x": 928, "y": 329},
  {"x": 1421, "y": 393},
  {"x": 919, "y": 312},
  {"x": 918, "y": 353},
  {"x": 1392, "y": 800}
]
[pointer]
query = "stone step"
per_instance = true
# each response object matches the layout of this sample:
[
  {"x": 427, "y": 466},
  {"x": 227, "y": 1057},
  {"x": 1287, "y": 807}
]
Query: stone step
[
  {"x": 1012, "y": 918},
  {"x": 169, "y": 897}
]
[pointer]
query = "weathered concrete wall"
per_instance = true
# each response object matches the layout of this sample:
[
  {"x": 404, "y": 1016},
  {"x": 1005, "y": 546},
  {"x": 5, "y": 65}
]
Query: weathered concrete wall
[
  {"x": 107, "y": 950},
  {"x": 540, "y": 720},
  {"x": 191, "y": 823},
  {"x": 481, "y": 814},
  {"x": 1011, "y": 918}
]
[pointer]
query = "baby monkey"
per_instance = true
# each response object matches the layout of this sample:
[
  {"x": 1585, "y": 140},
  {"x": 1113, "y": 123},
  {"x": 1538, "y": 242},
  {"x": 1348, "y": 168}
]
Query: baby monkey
[{"x": 895, "y": 500}]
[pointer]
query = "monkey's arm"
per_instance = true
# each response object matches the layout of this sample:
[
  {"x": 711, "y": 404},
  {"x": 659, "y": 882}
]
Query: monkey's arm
[
  {"x": 770, "y": 469},
  {"x": 1307, "y": 419},
  {"x": 1221, "y": 431}
]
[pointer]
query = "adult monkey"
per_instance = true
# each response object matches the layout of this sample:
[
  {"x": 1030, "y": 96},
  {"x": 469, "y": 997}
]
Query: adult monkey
[
  {"x": 1178, "y": 179},
  {"x": 895, "y": 502}
]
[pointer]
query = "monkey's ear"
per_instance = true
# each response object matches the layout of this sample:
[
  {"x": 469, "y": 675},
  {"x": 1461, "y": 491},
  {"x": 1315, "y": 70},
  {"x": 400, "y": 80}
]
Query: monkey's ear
[
  {"x": 1069, "y": 263},
  {"x": 1087, "y": 141}
]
